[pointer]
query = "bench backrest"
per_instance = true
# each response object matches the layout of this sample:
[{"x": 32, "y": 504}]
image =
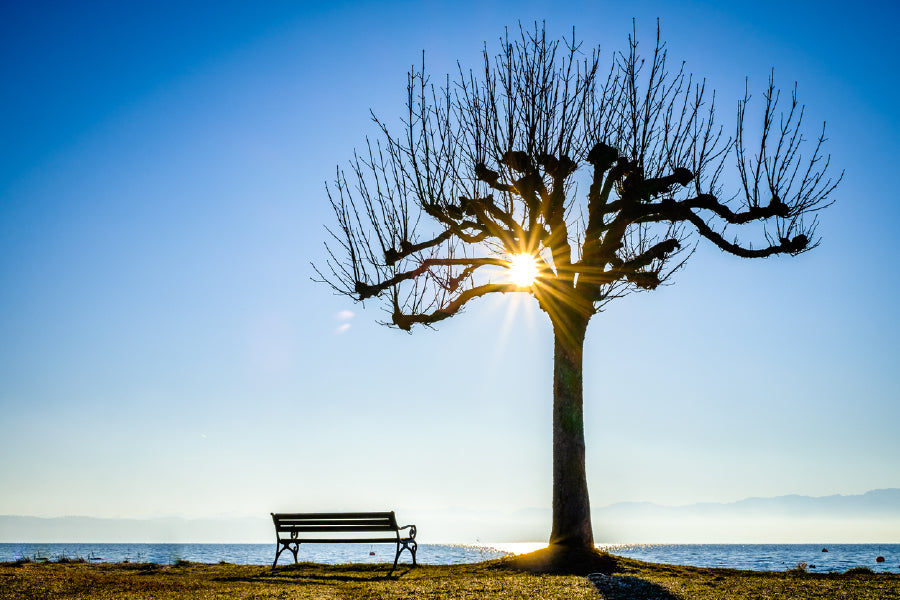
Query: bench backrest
[{"x": 334, "y": 523}]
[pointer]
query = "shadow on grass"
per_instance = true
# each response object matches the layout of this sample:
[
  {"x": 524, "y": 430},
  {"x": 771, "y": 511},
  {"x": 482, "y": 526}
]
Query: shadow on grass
[
  {"x": 317, "y": 573},
  {"x": 598, "y": 567},
  {"x": 628, "y": 587},
  {"x": 560, "y": 560}
]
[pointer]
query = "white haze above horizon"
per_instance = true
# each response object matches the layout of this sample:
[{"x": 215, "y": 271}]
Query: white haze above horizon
[{"x": 873, "y": 517}]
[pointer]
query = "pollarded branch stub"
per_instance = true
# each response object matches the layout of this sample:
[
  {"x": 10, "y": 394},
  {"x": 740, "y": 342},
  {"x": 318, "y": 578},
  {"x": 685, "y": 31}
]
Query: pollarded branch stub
[
  {"x": 529, "y": 184},
  {"x": 557, "y": 168},
  {"x": 406, "y": 322},
  {"x": 489, "y": 176},
  {"x": 549, "y": 162},
  {"x": 475, "y": 207},
  {"x": 402, "y": 321},
  {"x": 683, "y": 176},
  {"x": 454, "y": 212},
  {"x": 602, "y": 156},
  {"x": 464, "y": 205},
  {"x": 796, "y": 245},
  {"x": 391, "y": 257},
  {"x": 517, "y": 160},
  {"x": 453, "y": 283},
  {"x": 633, "y": 183},
  {"x": 657, "y": 252},
  {"x": 647, "y": 281},
  {"x": 365, "y": 290},
  {"x": 652, "y": 188},
  {"x": 779, "y": 208}
]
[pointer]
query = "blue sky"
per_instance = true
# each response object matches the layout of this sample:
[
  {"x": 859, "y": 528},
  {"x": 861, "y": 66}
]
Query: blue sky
[{"x": 163, "y": 350}]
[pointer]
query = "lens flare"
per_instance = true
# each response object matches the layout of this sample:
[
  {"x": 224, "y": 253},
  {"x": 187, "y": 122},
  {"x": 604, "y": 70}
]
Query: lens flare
[{"x": 523, "y": 269}]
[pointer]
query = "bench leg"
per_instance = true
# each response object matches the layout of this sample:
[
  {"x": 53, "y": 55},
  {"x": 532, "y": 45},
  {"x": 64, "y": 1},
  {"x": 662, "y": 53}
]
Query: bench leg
[
  {"x": 396, "y": 558},
  {"x": 410, "y": 545},
  {"x": 294, "y": 548},
  {"x": 402, "y": 545},
  {"x": 278, "y": 549}
]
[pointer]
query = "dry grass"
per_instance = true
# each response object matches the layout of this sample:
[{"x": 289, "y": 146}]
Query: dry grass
[
  {"x": 636, "y": 579},
  {"x": 633, "y": 580},
  {"x": 203, "y": 581}
]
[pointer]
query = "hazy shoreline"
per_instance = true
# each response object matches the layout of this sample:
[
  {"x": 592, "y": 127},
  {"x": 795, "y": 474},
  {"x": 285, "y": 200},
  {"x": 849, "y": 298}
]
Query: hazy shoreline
[{"x": 873, "y": 517}]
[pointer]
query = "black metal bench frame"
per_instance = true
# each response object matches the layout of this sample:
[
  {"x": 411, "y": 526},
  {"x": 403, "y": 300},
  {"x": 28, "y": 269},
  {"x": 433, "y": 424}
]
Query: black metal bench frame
[{"x": 293, "y": 529}]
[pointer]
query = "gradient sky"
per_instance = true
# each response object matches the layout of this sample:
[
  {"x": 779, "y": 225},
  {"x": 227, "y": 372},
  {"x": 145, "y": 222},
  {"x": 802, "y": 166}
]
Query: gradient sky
[{"x": 164, "y": 352}]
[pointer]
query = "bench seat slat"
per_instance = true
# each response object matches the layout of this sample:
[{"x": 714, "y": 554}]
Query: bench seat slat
[
  {"x": 362, "y": 515},
  {"x": 339, "y": 540},
  {"x": 299, "y": 525},
  {"x": 318, "y": 528},
  {"x": 327, "y": 518}
]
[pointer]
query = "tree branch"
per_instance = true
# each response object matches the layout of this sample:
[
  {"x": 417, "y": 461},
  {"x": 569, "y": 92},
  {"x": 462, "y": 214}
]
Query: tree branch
[{"x": 406, "y": 322}]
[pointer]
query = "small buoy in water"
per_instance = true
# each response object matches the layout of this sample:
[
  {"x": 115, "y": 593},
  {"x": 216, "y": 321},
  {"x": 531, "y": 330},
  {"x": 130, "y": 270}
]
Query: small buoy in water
[
  {"x": 879, "y": 559},
  {"x": 824, "y": 549}
]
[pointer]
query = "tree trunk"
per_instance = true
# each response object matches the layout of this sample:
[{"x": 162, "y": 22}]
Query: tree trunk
[{"x": 571, "y": 507}]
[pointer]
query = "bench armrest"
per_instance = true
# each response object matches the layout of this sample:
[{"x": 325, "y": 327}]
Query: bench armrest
[{"x": 412, "y": 530}]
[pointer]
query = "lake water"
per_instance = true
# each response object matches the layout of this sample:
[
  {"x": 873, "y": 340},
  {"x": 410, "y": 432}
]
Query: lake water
[
  {"x": 760, "y": 557},
  {"x": 767, "y": 557}
]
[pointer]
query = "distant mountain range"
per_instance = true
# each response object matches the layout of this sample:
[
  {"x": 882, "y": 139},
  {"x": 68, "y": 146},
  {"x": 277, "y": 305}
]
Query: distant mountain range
[
  {"x": 154, "y": 530},
  {"x": 871, "y": 504},
  {"x": 871, "y": 517}
]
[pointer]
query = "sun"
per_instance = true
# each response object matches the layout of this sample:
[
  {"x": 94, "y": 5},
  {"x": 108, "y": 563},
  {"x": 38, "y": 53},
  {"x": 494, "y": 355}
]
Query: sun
[{"x": 523, "y": 269}]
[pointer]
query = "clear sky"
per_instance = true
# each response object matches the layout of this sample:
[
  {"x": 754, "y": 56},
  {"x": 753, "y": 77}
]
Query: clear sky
[{"x": 164, "y": 352}]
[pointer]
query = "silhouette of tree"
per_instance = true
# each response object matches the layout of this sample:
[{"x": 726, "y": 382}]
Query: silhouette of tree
[{"x": 486, "y": 166}]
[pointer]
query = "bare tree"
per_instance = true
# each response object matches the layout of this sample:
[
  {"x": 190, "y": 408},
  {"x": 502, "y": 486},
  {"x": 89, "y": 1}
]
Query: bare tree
[{"x": 485, "y": 171}]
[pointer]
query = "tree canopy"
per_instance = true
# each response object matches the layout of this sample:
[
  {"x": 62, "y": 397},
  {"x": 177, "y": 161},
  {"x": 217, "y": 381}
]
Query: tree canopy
[{"x": 486, "y": 167}]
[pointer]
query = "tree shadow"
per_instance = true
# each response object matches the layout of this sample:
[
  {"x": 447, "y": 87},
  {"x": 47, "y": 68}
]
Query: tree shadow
[
  {"x": 316, "y": 573},
  {"x": 560, "y": 560},
  {"x": 629, "y": 587}
]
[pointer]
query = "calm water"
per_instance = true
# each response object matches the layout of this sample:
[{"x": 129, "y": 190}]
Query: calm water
[
  {"x": 767, "y": 557},
  {"x": 249, "y": 554},
  {"x": 761, "y": 557}
]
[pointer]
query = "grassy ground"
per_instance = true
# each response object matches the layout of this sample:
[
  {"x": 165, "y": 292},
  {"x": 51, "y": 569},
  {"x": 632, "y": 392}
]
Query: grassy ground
[
  {"x": 486, "y": 580},
  {"x": 643, "y": 580}
]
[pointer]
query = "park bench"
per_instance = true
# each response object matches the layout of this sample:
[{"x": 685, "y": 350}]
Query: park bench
[{"x": 293, "y": 529}]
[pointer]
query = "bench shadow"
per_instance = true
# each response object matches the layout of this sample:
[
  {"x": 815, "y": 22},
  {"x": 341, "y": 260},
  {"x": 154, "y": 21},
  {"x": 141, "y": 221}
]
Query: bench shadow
[
  {"x": 315, "y": 573},
  {"x": 629, "y": 587}
]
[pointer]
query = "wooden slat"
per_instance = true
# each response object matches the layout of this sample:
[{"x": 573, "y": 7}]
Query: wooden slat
[
  {"x": 295, "y": 524},
  {"x": 324, "y": 528},
  {"x": 361, "y": 515},
  {"x": 313, "y": 526},
  {"x": 339, "y": 541}
]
